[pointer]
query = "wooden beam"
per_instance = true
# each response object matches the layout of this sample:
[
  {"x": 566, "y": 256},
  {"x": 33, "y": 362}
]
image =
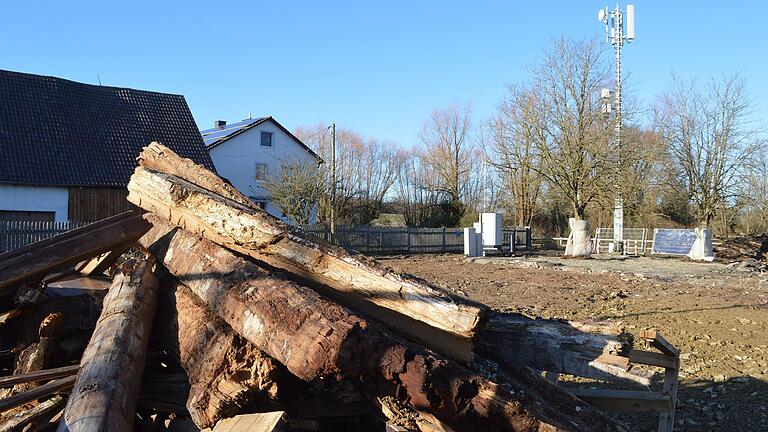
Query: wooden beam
[
  {"x": 657, "y": 341},
  {"x": 98, "y": 265},
  {"x": 39, "y": 375},
  {"x": 315, "y": 338},
  {"x": 107, "y": 387},
  {"x": 56, "y": 253},
  {"x": 652, "y": 358},
  {"x": 60, "y": 385},
  {"x": 624, "y": 400}
]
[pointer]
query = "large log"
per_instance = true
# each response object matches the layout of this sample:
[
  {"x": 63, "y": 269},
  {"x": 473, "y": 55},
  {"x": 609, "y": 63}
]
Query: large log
[
  {"x": 226, "y": 372},
  {"x": 107, "y": 387},
  {"x": 407, "y": 303},
  {"x": 59, "y": 252},
  {"x": 315, "y": 338},
  {"x": 420, "y": 310}
]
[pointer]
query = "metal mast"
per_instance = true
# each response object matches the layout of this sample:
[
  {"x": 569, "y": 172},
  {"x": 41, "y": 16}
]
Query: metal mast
[
  {"x": 614, "y": 33},
  {"x": 333, "y": 181}
]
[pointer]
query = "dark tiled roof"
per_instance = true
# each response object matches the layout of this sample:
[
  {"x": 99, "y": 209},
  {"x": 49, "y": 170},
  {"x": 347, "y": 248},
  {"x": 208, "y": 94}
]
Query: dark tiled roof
[
  {"x": 59, "y": 132},
  {"x": 218, "y": 135}
]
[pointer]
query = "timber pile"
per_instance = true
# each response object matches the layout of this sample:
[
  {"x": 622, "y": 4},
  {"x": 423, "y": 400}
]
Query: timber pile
[{"x": 206, "y": 312}]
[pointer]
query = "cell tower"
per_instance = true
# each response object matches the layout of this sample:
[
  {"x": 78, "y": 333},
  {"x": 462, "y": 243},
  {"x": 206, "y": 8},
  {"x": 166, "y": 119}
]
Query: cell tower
[{"x": 616, "y": 32}]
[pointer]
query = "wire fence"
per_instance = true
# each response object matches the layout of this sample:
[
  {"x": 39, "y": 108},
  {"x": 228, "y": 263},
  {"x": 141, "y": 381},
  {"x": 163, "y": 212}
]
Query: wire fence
[
  {"x": 17, "y": 234},
  {"x": 388, "y": 240}
]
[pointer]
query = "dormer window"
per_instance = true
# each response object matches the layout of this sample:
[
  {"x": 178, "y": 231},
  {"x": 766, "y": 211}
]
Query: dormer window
[{"x": 266, "y": 139}]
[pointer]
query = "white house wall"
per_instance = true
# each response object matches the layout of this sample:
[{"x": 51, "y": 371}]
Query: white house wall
[
  {"x": 35, "y": 198},
  {"x": 236, "y": 159}
]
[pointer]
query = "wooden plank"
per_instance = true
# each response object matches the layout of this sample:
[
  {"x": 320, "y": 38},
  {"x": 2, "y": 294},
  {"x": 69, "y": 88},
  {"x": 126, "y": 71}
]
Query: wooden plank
[
  {"x": 313, "y": 338},
  {"x": 98, "y": 265},
  {"x": 107, "y": 387},
  {"x": 624, "y": 400},
  {"x": 39, "y": 375},
  {"x": 58, "y": 386},
  {"x": 65, "y": 235},
  {"x": 658, "y": 342},
  {"x": 652, "y": 358},
  {"x": 667, "y": 419},
  {"x": 36, "y": 415},
  {"x": 5, "y": 316},
  {"x": 260, "y": 422},
  {"x": 56, "y": 253}
]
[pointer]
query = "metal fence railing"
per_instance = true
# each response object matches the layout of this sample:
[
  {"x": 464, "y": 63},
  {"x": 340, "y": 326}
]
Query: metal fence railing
[
  {"x": 17, "y": 234},
  {"x": 386, "y": 240}
]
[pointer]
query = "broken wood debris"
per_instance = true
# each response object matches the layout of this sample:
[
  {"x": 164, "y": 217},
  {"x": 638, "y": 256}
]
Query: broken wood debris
[{"x": 253, "y": 326}]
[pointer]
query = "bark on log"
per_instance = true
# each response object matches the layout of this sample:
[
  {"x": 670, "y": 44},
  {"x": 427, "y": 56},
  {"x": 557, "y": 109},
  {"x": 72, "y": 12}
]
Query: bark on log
[
  {"x": 56, "y": 253},
  {"x": 104, "y": 396},
  {"x": 399, "y": 301},
  {"x": 226, "y": 372},
  {"x": 315, "y": 338}
]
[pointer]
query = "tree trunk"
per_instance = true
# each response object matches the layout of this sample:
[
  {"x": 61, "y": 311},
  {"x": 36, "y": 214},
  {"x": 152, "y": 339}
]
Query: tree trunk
[
  {"x": 314, "y": 338},
  {"x": 225, "y": 371},
  {"x": 107, "y": 387}
]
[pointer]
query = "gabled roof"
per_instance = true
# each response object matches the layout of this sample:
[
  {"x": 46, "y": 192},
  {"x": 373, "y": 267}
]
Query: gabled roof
[
  {"x": 59, "y": 132},
  {"x": 217, "y": 135}
]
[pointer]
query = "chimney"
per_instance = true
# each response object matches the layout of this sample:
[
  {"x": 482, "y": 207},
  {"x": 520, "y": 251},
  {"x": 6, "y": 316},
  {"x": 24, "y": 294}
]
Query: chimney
[{"x": 219, "y": 123}]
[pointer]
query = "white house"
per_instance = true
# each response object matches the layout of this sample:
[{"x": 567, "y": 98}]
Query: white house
[{"x": 246, "y": 152}]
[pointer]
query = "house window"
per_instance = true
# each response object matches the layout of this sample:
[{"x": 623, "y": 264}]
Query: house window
[
  {"x": 261, "y": 202},
  {"x": 260, "y": 172},
  {"x": 266, "y": 139}
]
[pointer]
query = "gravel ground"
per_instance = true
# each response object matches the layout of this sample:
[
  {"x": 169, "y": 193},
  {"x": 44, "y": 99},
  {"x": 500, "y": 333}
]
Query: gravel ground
[{"x": 716, "y": 313}]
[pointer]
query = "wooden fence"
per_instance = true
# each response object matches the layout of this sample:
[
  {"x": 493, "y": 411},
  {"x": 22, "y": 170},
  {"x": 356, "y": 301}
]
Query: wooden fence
[
  {"x": 386, "y": 240},
  {"x": 16, "y": 234}
]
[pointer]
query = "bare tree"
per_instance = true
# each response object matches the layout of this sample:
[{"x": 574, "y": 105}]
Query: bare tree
[
  {"x": 572, "y": 151},
  {"x": 366, "y": 170},
  {"x": 447, "y": 149},
  {"x": 710, "y": 139},
  {"x": 755, "y": 218},
  {"x": 296, "y": 189},
  {"x": 513, "y": 136}
]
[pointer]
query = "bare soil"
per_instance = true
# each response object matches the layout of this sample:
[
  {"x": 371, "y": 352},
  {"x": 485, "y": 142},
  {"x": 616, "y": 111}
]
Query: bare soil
[{"x": 716, "y": 313}]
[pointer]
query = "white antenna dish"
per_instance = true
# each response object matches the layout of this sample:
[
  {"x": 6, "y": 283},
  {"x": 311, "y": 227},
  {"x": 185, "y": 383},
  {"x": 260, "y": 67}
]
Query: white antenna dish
[{"x": 601, "y": 15}]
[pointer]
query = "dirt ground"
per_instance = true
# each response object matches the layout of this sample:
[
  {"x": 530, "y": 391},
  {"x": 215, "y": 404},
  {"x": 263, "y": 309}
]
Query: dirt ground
[{"x": 716, "y": 313}]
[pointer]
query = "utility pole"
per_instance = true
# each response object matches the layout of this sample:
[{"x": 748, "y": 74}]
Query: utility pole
[
  {"x": 333, "y": 181},
  {"x": 614, "y": 33}
]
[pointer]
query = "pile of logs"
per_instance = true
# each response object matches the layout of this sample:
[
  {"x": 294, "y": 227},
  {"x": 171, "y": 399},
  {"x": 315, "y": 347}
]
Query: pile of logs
[{"x": 199, "y": 310}]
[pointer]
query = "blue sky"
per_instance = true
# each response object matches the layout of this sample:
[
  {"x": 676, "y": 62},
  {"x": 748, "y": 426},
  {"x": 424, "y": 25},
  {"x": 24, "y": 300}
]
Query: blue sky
[{"x": 379, "y": 67}]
